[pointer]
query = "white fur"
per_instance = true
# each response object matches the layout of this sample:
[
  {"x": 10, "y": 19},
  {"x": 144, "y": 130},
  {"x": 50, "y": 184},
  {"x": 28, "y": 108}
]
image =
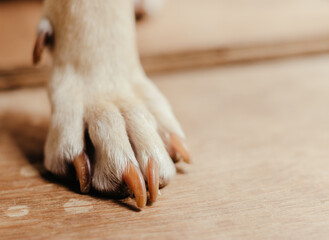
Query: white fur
[
  {"x": 98, "y": 84},
  {"x": 45, "y": 26}
]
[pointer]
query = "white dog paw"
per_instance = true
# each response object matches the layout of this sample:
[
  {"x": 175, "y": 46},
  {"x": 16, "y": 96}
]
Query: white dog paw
[
  {"x": 135, "y": 137},
  {"x": 101, "y": 97}
]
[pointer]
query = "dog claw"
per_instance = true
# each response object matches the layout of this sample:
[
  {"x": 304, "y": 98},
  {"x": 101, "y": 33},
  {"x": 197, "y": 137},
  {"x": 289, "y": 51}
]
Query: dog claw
[
  {"x": 135, "y": 181},
  {"x": 44, "y": 38},
  {"x": 153, "y": 179},
  {"x": 179, "y": 149},
  {"x": 39, "y": 46},
  {"x": 82, "y": 167}
]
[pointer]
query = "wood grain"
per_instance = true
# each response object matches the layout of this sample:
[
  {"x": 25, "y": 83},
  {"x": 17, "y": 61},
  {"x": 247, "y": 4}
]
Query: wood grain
[
  {"x": 23, "y": 77},
  {"x": 258, "y": 135}
]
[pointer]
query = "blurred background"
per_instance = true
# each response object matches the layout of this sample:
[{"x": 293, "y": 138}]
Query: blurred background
[
  {"x": 248, "y": 81},
  {"x": 192, "y": 33}
]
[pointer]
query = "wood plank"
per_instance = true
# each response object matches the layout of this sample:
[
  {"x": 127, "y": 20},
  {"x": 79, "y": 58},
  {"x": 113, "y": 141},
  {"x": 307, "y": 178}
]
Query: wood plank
[
  {"x": 23, "y": 77},
  {"x": 190, "y": 25},
  {"x": 259, "y": 140}
]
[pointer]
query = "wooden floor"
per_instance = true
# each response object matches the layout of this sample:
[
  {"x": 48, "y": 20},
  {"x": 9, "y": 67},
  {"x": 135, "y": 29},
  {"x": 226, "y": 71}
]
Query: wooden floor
[
  {"x": 259, "y": 140},
  {"x": 258, "y": 132}
]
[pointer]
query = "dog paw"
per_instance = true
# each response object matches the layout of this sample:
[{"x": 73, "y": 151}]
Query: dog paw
[
  {"x": 132, "y": 129},
  {"x": 101, "y": 97}
]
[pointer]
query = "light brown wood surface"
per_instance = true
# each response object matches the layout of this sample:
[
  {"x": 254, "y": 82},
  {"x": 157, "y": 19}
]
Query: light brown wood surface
[
  {"x": 187, "y": 25},
  {"x": 259, "y": 139},
  {"x": 190, "y": 33}
]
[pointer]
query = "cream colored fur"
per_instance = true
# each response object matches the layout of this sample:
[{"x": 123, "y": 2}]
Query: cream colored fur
[{"x": 97, "y": 83}]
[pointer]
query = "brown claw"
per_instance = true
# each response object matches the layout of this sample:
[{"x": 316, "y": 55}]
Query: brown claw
[
  {"x": 82, "y": 167},
  {"x": 40, "y": 44},
  {"x": 43, "y": 40},
  {"x": 153, "y": 179},
  {"x": 135, "y": 181},
  {"x": 179, "y": 150}
]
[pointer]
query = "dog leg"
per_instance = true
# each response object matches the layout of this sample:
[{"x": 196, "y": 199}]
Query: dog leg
[{"x": 98, "y": 86}]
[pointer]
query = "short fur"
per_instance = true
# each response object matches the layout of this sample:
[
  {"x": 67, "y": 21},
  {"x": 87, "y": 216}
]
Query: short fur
[{"x": 97, "y": 83}]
